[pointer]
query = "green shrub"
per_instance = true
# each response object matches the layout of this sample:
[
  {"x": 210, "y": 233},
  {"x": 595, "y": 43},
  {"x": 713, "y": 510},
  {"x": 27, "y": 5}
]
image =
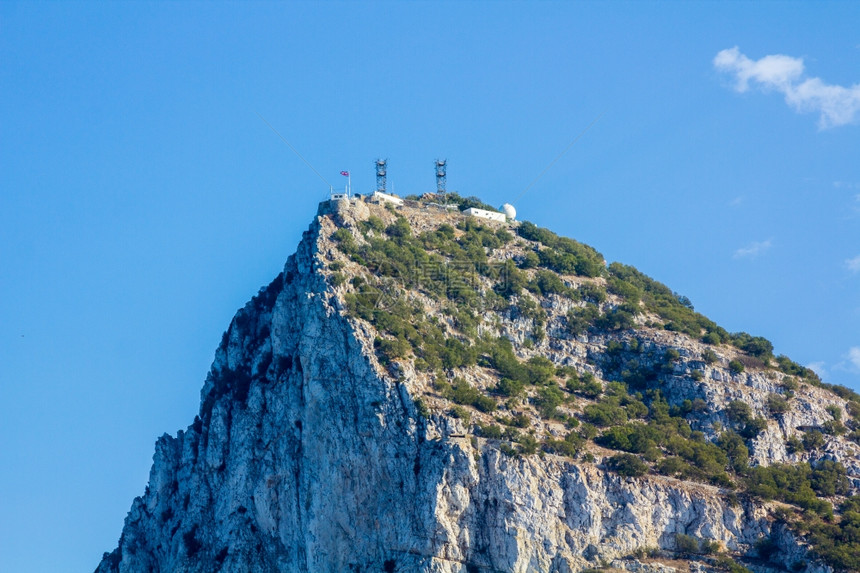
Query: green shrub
[
  {"x": 754, "y": 345},
  {"x": 392, "y": 348},
  {"x": 736, "y": 450},
  {"x": 546, "y": 282},
  {"x": 794, "y": 484},
  {"x": 843, "y": 392},
  {"x": 579, "y": 320},
  {"x": 834, "y": 428},
  {"x": 686, "y": 544},
  {"x": 461, "y": 392},
  {"x": 619, "y": 318},
  {"x": 837, "y": 543},
  {"x": 677, "y": 313},
  {"x": 400, "y": 228},
  {"x": 724, "y": 563},
  {"x": 635, "y": 408},
  {"x": 673, "y": 466},
  {"x": 792, "y": 368},
  {"x": 587, "y": 431},
  {"x": 739, "y": 412},
  {"x": 604, "y": 413},
  {"x": 540, "y": 370},
  {"x": 635, "y": 438},
  {"x": 528, "y": 445},
  {"x": 627, "y": 465},
  {"x": 736, "y": 367},
  {"x": 793, "y": 445},
  {"x": 834, "y": 411},
  {"x": 712, "y": 338},
  {"x": 754, "y": 427},
  {"x": 829, "y": 478},
  {"x": 461, "y": 413},
  {"x": 508, "y": 450},
  {"x": 465, "y": 202},
  {"x": 671, "y": 355},
  {"x": 530, "y": 260},
  {"x": 777, "y": 404},
  {"x": 789, "y": 383},
  {"x": 813, "y": 440},
  {"x": 591, "y": 387},
  {"x": 592, "y": 293},
  {"x": 547, "y": 400},
  {"x": 561, "y": 254},
  {"x": 422, "y": 408},
  {"x": 485, "y": 404},
  {"x": 564, "y": 447},
  {"x": 345, "y": 240},
  {"x": 517, "y": 420},
  {"x": 490, "y": 431},
  {"x": 373, "y": 223},
  {"x": 337, "y": 279},
  {"x": 509, "y": 387}
]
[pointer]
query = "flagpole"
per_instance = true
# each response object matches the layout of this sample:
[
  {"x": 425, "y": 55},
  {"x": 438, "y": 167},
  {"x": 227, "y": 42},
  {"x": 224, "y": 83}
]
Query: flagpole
[{"x": 348, "y": 176}]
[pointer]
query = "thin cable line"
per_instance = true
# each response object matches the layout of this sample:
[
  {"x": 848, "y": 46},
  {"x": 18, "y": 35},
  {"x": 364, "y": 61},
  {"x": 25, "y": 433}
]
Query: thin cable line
[
  {"x": 294, "y": 149},
  {"x": 560, "y": 155}
]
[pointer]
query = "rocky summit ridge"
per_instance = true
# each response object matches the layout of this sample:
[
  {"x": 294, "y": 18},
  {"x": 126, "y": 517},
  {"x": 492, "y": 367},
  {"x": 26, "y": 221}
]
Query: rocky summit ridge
[{"x": 420, "y": 390}]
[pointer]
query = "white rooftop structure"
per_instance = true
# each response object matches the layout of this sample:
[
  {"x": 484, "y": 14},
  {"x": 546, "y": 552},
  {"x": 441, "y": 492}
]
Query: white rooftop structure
[
  {"x": 509, "y": 211},
  {"x": 484, "y": 214},
  {"x": 387, "y": 198}
]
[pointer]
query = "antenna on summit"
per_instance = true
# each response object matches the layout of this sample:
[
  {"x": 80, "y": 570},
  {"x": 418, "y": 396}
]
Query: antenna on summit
[
  {"x": 441, "y": 176},
  {"x": 381, "y": 174}
]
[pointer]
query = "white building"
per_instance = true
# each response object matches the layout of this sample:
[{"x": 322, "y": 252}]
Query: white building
[
  {"x": 484, "y": 214},
  {"x": 385, "y": 197}
]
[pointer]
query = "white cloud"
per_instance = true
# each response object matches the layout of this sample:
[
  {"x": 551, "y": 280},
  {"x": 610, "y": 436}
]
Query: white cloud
[
  {"x": 753, "y": 250},
  {"x": 850, "y": 361},
  {"x": 854, "y": 357},
  {"x": 853, "y": 265},
  {"x": 837, "y": 105},
  {"x": 846, "y": 185}
]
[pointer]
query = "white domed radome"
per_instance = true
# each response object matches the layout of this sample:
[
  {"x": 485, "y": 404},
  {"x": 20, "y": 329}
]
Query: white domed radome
[{"x": 509, "y": 211}]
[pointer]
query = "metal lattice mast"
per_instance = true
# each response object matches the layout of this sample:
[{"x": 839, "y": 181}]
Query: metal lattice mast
[
  {"x": 441, "y": 175},
  {"x": 381, "y": 172}
]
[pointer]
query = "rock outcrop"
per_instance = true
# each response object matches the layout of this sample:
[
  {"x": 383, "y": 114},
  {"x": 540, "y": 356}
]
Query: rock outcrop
[{"x": 309, "y": 455}]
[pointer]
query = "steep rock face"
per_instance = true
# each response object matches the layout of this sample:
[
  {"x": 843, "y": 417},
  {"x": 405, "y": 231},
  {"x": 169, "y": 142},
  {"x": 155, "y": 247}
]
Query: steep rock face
[{"x": 308, "y": 456}]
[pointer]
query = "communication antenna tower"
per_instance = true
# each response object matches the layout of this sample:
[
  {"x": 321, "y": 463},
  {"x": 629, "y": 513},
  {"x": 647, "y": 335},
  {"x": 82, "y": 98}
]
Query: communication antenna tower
[
  {"x": 441, "y": 175},
  {"x": 381, "y": 172}
]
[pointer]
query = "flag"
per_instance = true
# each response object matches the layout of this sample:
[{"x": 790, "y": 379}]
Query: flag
[{"x": 345, "y": 173}]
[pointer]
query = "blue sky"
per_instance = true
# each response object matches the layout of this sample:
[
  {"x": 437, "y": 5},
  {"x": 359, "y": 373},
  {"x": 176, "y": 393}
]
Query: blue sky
[{"x": 142, "y": 200}]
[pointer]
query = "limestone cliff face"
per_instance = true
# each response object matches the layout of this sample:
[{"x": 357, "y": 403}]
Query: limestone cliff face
[{"x": 309, "y": 456}]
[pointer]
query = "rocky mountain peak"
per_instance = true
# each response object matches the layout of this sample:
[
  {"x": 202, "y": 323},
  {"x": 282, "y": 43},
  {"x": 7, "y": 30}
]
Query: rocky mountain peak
[{"x": 423, "y": 390}]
